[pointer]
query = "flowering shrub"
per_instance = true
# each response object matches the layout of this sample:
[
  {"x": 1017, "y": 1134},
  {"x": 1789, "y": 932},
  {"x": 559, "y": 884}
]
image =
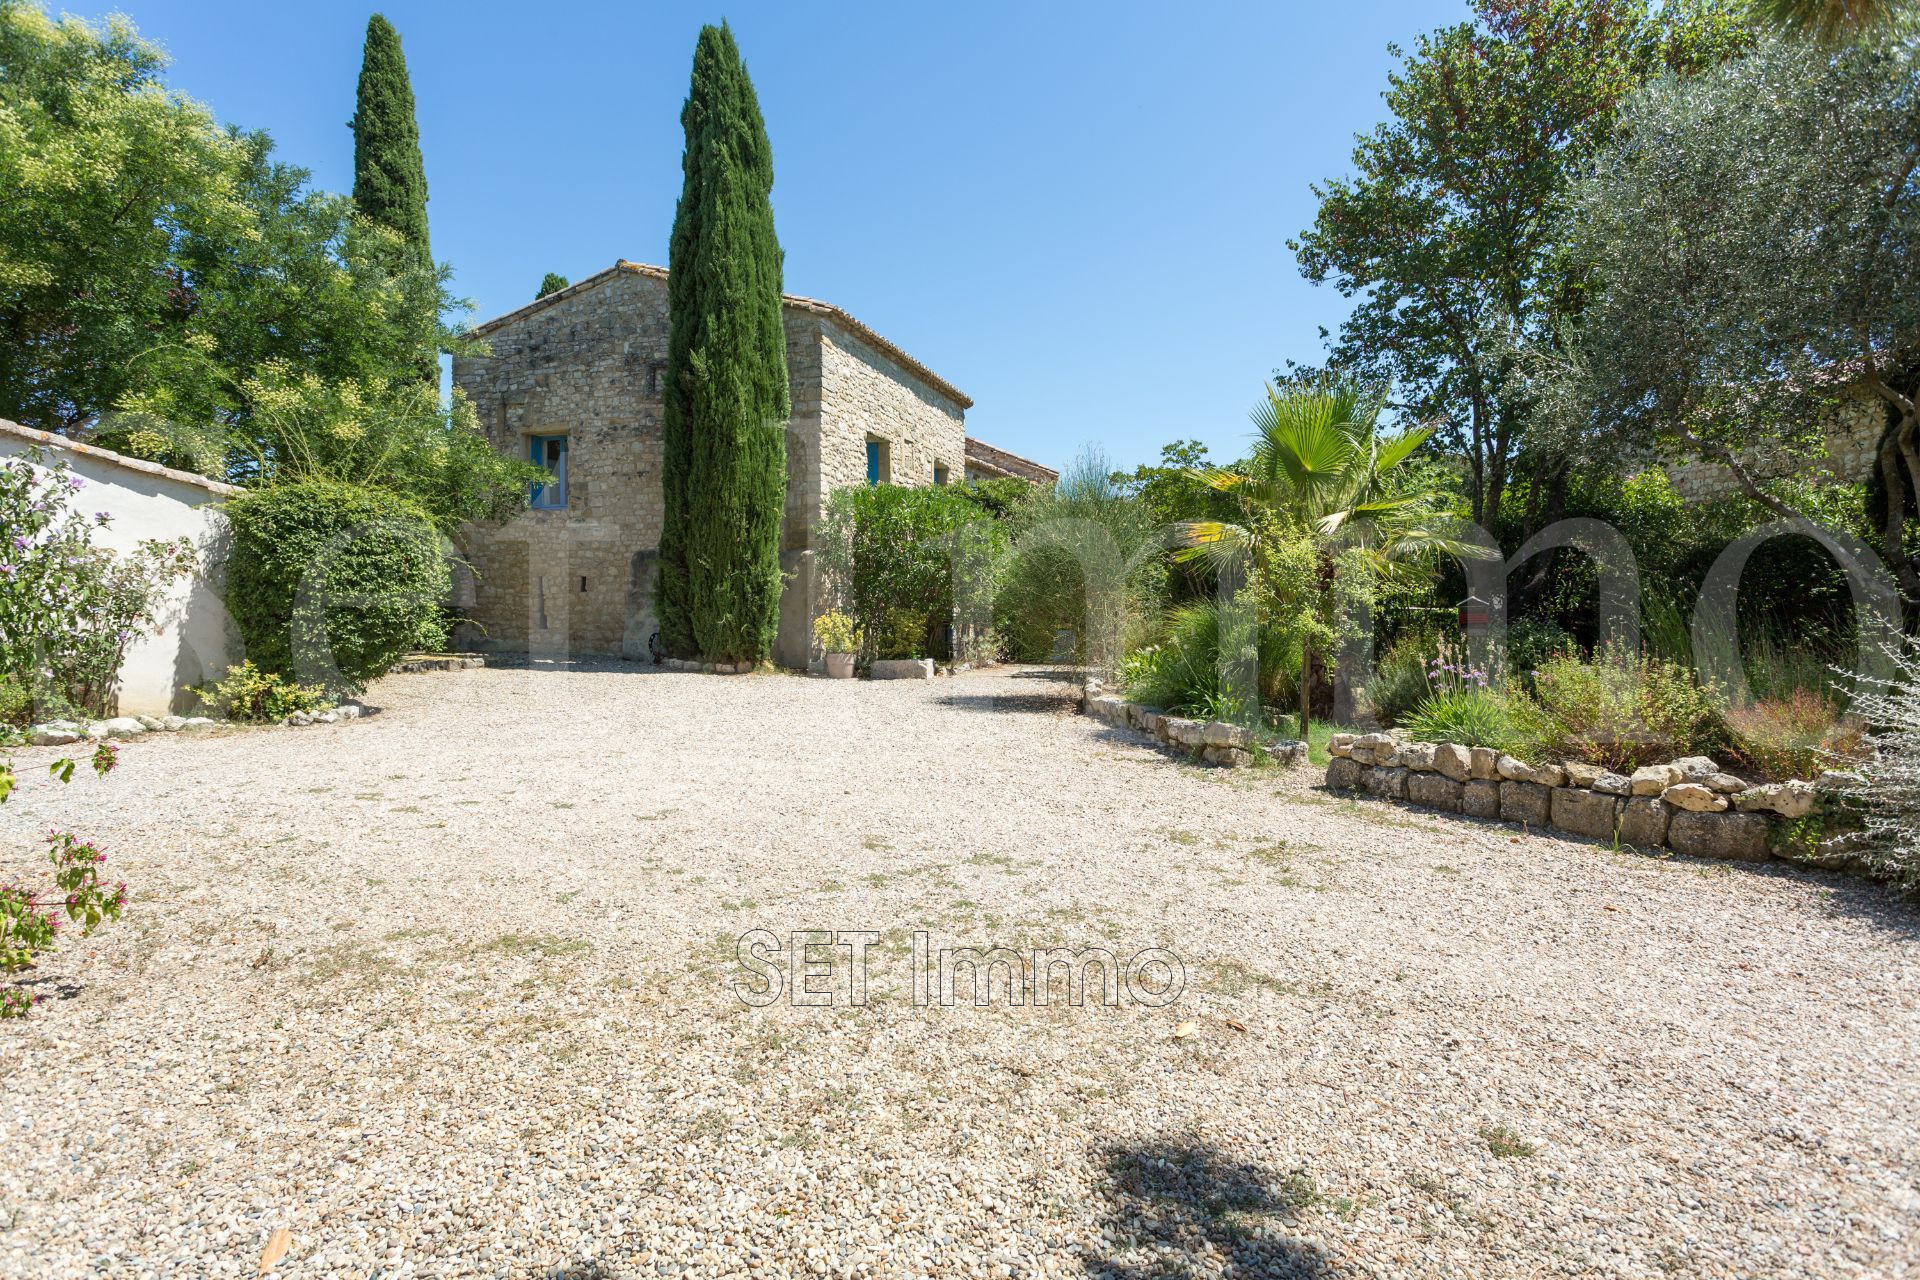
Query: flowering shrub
[
  {"x": 1461, "y": 704},
  {"x": 68, "y": 609},
  {"x": 31, "y": 919},
  {"x": 1796, "y": 736}
]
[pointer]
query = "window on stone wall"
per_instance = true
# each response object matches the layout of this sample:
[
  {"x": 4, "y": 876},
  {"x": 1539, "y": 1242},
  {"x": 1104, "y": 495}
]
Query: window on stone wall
[
  {"x": 549, "y": 452},
  {"x": 940, "y": 473},
  {"x": 879, "y": 463}
]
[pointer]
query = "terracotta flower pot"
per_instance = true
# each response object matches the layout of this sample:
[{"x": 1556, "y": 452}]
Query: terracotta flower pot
[{"x": 840, "y": 666}]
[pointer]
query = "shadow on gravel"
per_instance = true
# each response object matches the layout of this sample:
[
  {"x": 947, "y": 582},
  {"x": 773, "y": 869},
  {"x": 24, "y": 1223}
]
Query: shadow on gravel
[
  {"x": 1046, "y": 703},
  {"x": 1075, "y": 676},
  {"x": 1872, "y": 904},
  {"x": 1194, "y": 1211}
]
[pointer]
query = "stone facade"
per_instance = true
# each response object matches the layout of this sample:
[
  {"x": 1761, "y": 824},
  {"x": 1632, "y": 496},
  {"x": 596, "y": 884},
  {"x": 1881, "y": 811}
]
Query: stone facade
[
  {"x": 1852, "y": 433},
  {"x": 586, "y": 363}
]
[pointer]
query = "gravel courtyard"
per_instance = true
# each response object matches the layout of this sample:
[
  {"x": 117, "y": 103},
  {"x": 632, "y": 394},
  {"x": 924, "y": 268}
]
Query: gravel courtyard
[{"x": 449, "y": 992}]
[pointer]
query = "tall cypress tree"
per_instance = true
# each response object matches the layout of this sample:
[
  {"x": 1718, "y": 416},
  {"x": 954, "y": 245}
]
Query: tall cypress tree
[
  {"x": 724, "y": 473},
  {"x": 389, "y": 178},
  {"x": 552, "y": 282}
]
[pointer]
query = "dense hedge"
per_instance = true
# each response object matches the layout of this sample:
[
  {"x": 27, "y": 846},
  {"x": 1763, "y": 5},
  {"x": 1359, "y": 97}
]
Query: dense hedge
[
  {"x": 330, "y": 583},
  {"x": 892, "y": 554}
]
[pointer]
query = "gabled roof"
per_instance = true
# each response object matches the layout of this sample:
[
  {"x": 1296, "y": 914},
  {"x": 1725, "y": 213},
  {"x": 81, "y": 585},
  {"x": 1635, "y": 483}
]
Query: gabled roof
[
  {"x": 790, "y": 300},
  {"x": 982, "y": 456}
]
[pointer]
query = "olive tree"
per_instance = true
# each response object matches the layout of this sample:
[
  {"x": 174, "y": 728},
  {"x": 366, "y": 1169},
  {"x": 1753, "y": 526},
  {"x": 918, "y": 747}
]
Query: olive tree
[{"x": 1753, "y": 233}]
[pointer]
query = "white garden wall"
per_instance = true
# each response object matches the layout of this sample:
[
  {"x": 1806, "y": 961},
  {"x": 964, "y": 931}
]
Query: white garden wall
[{"x": 146, "y": 501}]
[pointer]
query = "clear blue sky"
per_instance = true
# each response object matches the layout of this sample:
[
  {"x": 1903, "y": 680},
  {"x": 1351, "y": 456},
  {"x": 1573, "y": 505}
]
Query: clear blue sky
[{"x": 1077, "y": 213}]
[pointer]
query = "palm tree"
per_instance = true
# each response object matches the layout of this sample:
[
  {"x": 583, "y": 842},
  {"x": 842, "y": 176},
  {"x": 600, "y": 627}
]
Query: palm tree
[
  {"x": 1829, "y": 21},
  {"x": 1321, "y": 467}
]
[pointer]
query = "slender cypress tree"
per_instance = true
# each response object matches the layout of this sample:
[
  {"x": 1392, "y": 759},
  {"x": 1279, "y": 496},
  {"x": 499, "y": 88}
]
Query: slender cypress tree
[
  {"x": 724, "y": 470},
  {"x": 389, "y": 178},
  {"x": 552, "y": 282}
]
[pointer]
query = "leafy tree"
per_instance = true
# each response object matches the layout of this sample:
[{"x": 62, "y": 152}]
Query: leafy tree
[
  {"x": 104, "y": 173},
  {"x": 724, "y": 469},
  {"x": 394, "y": 436},
  {"x": 552, "y": 282},
  {"x": 152, "y": 263},
  {"x": 1829, "y": 21},
  {"x": 1321, "y": 469},
  {"x": 1448, "y": 232},
  {"x": 1755, "y": 230},
  {"x": 389, "y": 177}
]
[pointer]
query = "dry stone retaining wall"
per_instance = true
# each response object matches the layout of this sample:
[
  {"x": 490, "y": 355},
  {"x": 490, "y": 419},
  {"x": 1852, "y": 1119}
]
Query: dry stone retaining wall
[
  {"x": 1691, "y": 806},
  {"x": 1217, "y": 742}
]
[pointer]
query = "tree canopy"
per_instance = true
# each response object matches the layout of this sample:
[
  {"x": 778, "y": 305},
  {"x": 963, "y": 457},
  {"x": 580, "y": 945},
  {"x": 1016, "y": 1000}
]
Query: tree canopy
[{"x": 1448, "y": 234}]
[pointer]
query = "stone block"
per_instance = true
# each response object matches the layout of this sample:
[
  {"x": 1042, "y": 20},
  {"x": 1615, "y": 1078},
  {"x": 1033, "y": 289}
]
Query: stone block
[
  {"x": 1434, "y": 791},
  {"x": 1525, "y": 802},
  {"x": 1693, "y": 797},
  {"x": 1453, "y": 760},
  {"x": 1388, "y": 784},
  {"x": 1418, "y": 756},
  {"x": 1585, "y": 813},
  {"x": 1643, "y": 822},
  {"x": 1580, "y": 774},
  {"x": 1340, "y": 744},
  {"x": 1788, "y": 799},
  {"x": 1696, "y": 768},
  {"x": 1613, "y": 784},
  {"x": 1219, "y": 733},
  {"x": 1740, "y": 837},
  {"x": 1226, "y": 757},
  {"x": 1652, "y": 779},
  {"x": 1514, "y": 769},
  {"x": 1344, "y": 775},
  {"x": 1480, "y": 798},
  {"x": 1725, "y": 783},
  {"x": 1484, "y": 763}
]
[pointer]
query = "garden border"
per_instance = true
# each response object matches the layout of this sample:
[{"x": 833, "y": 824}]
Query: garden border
[{"x": 1690, "y": 806}]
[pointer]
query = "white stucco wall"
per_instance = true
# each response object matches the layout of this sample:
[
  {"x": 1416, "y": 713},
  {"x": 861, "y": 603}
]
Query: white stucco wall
[{"x": 191, "y": 641}]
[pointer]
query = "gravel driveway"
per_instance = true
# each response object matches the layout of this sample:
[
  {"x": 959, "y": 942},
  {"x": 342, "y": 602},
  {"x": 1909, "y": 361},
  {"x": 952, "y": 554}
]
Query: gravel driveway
[{"x": 450, "y": 991}]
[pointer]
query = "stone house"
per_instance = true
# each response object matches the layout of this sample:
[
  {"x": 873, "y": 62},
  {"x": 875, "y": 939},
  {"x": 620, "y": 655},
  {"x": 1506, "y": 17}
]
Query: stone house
[
  {"x": 573, "y": 382},
  {"x": 1850, "y": 430}
]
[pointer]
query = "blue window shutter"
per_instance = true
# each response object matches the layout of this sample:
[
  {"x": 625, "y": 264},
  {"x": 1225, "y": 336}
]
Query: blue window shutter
[{"x": 873, "y": 462}]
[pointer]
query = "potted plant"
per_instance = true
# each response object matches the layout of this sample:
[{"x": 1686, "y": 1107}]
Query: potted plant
[{"x": 839, "y": 639}]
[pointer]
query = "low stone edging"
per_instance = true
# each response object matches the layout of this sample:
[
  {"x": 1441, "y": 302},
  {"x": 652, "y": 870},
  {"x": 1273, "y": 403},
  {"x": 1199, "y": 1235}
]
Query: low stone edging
[
  {"x": 1218, "y": 742},
  {"x": 704, "y": 668},
  {"x": 61, "y": 733},
  {"x": 416, "y": 663},
  {"x": 1691, "y": 806}
]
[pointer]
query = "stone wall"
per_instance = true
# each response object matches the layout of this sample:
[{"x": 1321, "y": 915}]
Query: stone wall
[
  {"x": 1852, "y": 433},
  {"x": 587, "y": 363},
  {"x": 1691, "y": 805}
]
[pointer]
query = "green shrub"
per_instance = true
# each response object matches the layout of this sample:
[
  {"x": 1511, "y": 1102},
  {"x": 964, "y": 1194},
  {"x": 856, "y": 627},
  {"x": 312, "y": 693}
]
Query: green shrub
[
  {"x": 248, "y": 693},
  {"x": 330, "y": 583},
  {"x": 16, "y": 703},
  {"x": 1622, "y": 710},
  {"x": 1470, "y": 717},
  {"x": 890, "y": 553},
  {"x": 1532, "y": 641},
  {"x": 1182, "y": 672},
  {"x": 1399, "y": 683},
  {"x": 903, "y": 634}
]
